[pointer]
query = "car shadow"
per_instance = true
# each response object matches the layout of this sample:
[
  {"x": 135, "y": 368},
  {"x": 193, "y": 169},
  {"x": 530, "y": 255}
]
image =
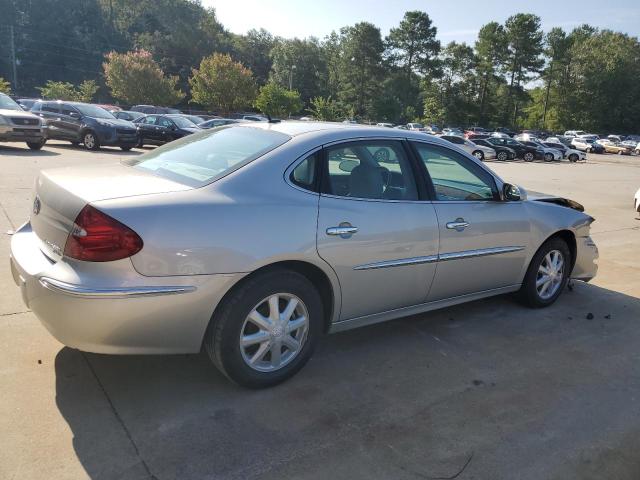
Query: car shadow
[
  {"x": 26, "y": 151},
  {"x": 489, "y": 387}
]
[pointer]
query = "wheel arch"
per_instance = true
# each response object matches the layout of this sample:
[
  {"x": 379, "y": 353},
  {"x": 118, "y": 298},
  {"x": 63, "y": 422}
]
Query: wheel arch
[
  {"x": 328, "y": 290},
  {"x": 570, "y": 239}
]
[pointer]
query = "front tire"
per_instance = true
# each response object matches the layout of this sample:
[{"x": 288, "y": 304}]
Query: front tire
[
  {"x": 90, "y": 141},
  {"x": 266, "y": 330},
  {"x": 547, "y": 275},
  {"x": 573, "y": 158},
  {"x": 126, "y": 148},
  {"x": 548, "y": 157},
  {"x": 36, "y": 145},
  {"x": 479, "y": 155},
  {"x": 528, "y": 157},
  {"x": 502, "y": 156}
]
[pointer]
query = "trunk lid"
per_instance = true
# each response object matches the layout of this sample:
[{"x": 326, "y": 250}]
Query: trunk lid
[{"x": 61, "y": 193}]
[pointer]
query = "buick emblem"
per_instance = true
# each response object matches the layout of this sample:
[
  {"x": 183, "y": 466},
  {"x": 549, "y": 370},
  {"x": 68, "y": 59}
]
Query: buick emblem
[{"x": 36, "y": 205}]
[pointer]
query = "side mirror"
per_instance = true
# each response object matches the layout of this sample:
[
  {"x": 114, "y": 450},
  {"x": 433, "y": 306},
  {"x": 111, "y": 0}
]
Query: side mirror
[
  {"x": 74, "y": 115},
  {"x": 511, "y": 193}
]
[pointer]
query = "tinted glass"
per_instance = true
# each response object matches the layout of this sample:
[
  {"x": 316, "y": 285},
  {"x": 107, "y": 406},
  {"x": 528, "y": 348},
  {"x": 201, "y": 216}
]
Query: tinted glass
[
  {"x": 51, "y": 107},
  {"x": 199, "y": 159},
  {"x": 67, "y": 109},
  {"x": 93, "y": 111},
  {"x": 372, "y": 169},
  {"x": 7, "y": 103},
  {"x": 454, "y": 177},
  {"x": 165, "y": 122},
  {"x": 304, "y": 175},
  {"x": 183, "y": 122},
  {"x": 150, "y": 120}
]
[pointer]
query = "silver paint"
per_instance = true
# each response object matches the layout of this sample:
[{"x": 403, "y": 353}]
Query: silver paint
[{"x": 203, "y": 241}]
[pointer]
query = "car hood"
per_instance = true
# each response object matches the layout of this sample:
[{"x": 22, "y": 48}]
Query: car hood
[
  {"x": 115, "y": 122},
  {"x": 16, "y": 113},
  {"x": 191, "y": 129},
  {"x": 563, "y": 202}
]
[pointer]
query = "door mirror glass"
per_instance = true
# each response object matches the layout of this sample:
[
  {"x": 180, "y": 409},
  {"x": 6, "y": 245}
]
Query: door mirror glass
[
  {"x": 511, "y": 193},
  {"x": 348, "y": 165},
  {"x": 75, "y": 115}
]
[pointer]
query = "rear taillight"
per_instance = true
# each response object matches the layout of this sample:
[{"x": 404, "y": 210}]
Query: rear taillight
[{"x": 96, "y": 237}]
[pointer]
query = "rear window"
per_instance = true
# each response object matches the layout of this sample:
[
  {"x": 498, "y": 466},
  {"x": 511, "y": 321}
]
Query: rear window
[{"x": 203, "y": 157}]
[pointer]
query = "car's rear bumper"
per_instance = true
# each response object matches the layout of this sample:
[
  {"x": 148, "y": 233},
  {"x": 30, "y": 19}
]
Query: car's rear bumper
[
  {"x": 109, "y": 307},
  {"x": 585, "y": 267}
]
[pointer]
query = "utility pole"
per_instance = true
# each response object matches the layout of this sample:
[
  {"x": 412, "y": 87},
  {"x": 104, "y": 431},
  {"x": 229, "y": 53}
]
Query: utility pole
[{"x": 13, "y": 59}]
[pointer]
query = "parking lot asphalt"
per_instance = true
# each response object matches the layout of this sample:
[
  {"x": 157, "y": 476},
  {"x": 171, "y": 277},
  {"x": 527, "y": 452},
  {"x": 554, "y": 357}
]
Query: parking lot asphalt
[{"x": 486, "y": 390}]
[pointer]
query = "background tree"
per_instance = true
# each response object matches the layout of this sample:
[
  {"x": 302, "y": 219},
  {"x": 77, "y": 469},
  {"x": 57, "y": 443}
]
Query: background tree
[
  {"x": 299, "y": 64},
  {"x": 253, "y": 51},
  {"x": 134, "y": 77},
  {"x": 277, "y": 101},
  {"x": 5, "y": 87},
  {"x": 67, "y": 91},
  {"x": 325, "y": 109},
  {"x": 524, "y": 49},
  {"x": 361, "y": 67},
  {"x": 220, "y": 83},
  {"x": 491, "y": 53},
  {"x": 413, "y": 44}
]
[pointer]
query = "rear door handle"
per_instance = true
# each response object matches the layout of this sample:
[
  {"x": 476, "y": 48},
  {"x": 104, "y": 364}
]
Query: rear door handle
[
  {"x": 458, "y": 225},
  {"x": 343, "y": 231}
]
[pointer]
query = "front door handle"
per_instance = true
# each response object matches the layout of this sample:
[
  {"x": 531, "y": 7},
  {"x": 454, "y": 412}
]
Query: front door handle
[
  {"x": 344, "y": 230},
  {"x": 458, "y": 225}
]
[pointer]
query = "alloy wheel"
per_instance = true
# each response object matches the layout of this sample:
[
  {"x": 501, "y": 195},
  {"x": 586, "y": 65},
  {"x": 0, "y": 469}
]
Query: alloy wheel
[
  {"x": 478, "y": 154},
  {"x": 502, "y": 156},
  {"x": 550, "y": 274},
  {"x": 89, "y": 141},
  {"x": 274, "y": 332}
]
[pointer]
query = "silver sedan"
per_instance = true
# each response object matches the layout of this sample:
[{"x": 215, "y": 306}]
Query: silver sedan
[{"x": 252, "y": 240}]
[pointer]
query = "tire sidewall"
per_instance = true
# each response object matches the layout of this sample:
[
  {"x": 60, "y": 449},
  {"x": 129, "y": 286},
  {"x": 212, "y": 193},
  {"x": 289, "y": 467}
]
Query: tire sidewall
[
  {"x": 529, "y": 291},
  {"x": 528, "y": 157},
  {"x": 502, "y": 156},
  {"x": 228, "y": 326}
]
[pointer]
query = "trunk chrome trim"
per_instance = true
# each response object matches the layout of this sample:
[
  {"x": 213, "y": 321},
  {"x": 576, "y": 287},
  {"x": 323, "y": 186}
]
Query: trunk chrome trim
[
  {"x": 120, "y": 292},
  {"x": 443, "y": 257},
  {"x": 397, "y": 263},
  {"x": 481, "y": 252}
]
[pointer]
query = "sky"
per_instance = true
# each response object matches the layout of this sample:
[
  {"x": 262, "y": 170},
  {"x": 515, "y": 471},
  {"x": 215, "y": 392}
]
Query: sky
[{"x": 457, "y": 20}]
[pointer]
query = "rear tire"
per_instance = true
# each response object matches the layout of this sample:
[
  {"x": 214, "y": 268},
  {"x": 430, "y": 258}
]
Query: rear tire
[
  {"x": 533, "y": 293},
  {"x": 126, "y": 148},
  {"x": 502, "y": 156},
  {"x": 479, "y": 155},
  {"x": 36, "y": 145},
  {"x": 528, "y": 157},
  {"x": 548, "y": 157},
  {"x": 233, "y": 321},
  {"x": 573, "y": 158}
]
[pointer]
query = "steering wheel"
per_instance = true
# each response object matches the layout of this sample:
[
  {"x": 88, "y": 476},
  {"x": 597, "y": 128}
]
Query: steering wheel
[{"x": 381, "y": 155}]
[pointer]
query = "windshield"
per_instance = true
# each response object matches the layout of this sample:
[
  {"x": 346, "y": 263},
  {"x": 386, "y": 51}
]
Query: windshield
[
  {"x": 183, "y": 122},
  {"x": 7, "y": 103},
  {"x": 93, "y": 111},
  {"x": 201, "y": 158}
]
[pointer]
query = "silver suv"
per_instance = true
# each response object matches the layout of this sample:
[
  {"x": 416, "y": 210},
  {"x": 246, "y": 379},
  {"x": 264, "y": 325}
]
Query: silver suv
[{"x": 16, "y": 125}]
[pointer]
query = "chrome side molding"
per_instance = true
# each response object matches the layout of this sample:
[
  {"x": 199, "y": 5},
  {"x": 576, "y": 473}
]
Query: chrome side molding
[
  {"x": 119, "y": 292},
  {"x": 443, "y": 257},
  {"x": 482, "y": 252},
  {"x": 397, "y": 263}
]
